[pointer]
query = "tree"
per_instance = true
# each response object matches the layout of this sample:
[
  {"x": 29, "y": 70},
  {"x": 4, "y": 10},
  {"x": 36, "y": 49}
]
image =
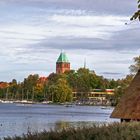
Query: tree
[
  {"x": 135, "y": 67},
  {"x": 117, "y": 95},
  {"x": 120, "y": 89},
  {"x": 94, "y": 80},
  {"x": 38, "y": 92},
  {"x": 29, "y": 84},
  {"x": 83, "y": 78},
  {"x": 113, "y": 84},
  {"x": 60, "y": 91},
  {"x": 13, "y": 89},
  {"x": 127, "y": 80},
  {"x": 137, "y": 13},
  {"x": 72, "y": 79},
  {"x": 54, "y": 77}
]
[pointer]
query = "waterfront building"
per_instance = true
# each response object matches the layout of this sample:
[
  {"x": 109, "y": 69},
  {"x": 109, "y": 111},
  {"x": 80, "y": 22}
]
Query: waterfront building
[
  {"x": 62, "y": 63},
  {"x": 128, "y": 109},
  {"x": 94, "y": 96}
]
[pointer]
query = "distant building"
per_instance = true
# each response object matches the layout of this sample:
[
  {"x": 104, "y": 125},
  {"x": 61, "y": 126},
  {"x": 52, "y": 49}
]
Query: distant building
[
  {"x": 95, "y": 95},
  {"x": 62, "y": 64},
  {"x": 128, "y": 109}
]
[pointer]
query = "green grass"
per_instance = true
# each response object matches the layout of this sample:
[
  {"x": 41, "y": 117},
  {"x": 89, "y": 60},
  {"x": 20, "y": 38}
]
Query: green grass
[{"x": 115, "y": 131}]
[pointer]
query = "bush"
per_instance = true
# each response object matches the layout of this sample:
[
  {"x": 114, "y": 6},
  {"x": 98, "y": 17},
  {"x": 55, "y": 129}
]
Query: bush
[{"x": 115, "y": 131}]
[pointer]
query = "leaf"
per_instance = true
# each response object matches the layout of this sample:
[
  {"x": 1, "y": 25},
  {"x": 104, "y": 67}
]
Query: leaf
[{"x": 136, "y": 15}]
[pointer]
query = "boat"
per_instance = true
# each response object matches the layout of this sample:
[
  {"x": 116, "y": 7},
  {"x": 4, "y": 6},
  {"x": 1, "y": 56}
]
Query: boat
[
  {"x": 24, "y": 102},
  {"x": 105, "y": 107},
  {"x": 69, "y": 105},
  {"x": 46, "y": 102},
  {"x": 7, "y": 101}
]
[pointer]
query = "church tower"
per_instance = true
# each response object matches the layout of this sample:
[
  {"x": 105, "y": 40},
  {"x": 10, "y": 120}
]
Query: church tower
[{"x": 62, "y": 63}]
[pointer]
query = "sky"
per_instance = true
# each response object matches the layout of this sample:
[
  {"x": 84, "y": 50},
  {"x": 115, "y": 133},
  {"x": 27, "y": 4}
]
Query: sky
[{"x": 33, "y": 33}]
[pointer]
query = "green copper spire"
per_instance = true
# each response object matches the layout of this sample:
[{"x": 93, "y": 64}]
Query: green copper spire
[{"x": 62, "y": 58}]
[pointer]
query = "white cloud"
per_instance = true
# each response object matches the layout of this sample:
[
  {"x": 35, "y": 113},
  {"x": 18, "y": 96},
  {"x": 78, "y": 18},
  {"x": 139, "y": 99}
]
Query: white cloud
[
  {"x": 31, "y": 36},
  {"x": 89, "y": 20}
]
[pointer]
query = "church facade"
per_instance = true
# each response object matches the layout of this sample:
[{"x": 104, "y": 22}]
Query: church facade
[{"x": 62, "y": 63}]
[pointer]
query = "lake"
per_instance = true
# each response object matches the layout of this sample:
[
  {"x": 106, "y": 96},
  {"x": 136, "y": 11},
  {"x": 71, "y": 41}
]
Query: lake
[{"x": 16, "y": 119}]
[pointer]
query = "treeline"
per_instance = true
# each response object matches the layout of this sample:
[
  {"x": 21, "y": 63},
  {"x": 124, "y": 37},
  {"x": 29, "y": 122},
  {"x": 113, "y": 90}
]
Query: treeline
[{"x": 59, "y": 87}]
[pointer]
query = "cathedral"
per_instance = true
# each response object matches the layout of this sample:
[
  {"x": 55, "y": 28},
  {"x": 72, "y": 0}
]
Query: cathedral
[{"x": 62, "y": 63}]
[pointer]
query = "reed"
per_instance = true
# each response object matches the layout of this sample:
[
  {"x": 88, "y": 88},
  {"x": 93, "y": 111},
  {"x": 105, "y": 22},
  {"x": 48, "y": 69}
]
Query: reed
[{"x": 115, "y": 131}]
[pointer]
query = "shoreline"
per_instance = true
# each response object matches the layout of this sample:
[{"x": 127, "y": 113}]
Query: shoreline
[{"x": 67, "y": 104}]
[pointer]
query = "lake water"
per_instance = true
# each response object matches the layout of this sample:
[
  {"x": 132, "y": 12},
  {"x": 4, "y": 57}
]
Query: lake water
[{"x": 16, "y": 119}]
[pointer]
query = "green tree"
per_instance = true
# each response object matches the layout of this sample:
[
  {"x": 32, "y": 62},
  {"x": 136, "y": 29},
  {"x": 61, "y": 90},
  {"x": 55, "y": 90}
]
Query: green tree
[
  {"x": 13, "y": 89},
  {"x": 113, "y": 84},
  {"x": 38, "y": 92},
  {"x": 119, "y": 91},
  {"x": 54, "y": 77},
  {"x": 137, "y": 13},
  {"x": 127, "y": 80},
  {"x": 29, "y": 85},
  {"x": 72, "y": 78},
  {"x": 83, "y": 77},
  {"x": 136, "y": 66},
  {"x": 60, "y": 92},
  {"x": 84, "y": 81}
]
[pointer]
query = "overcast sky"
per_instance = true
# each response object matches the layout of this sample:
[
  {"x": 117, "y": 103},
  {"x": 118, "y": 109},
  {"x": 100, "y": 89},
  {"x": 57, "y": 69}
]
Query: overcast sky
[{"x": 33, "y": 32}]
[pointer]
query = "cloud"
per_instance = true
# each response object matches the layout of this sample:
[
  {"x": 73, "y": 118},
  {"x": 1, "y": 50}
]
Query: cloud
[
  {"x": 101, "y": 7},
  {"x": 33, "y": 32}
]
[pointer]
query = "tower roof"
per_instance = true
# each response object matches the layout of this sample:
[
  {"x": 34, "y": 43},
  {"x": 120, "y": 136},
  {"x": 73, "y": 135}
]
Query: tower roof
[
  {"x": 129, "y": 105},
  {"x": 62, "y": 58}
]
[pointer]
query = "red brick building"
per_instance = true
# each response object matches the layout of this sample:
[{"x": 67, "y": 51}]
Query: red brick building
[{"x": 62, "y": 63}]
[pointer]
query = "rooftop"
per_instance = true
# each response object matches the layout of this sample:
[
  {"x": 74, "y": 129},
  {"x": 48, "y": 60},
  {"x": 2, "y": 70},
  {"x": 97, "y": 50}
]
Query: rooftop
[
  {"x": 62, "y": 58},
  {"x": 129, "y": 105}
]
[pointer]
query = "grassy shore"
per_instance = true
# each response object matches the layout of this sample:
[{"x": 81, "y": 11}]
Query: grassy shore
[{"x": 115, "y": 131}]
